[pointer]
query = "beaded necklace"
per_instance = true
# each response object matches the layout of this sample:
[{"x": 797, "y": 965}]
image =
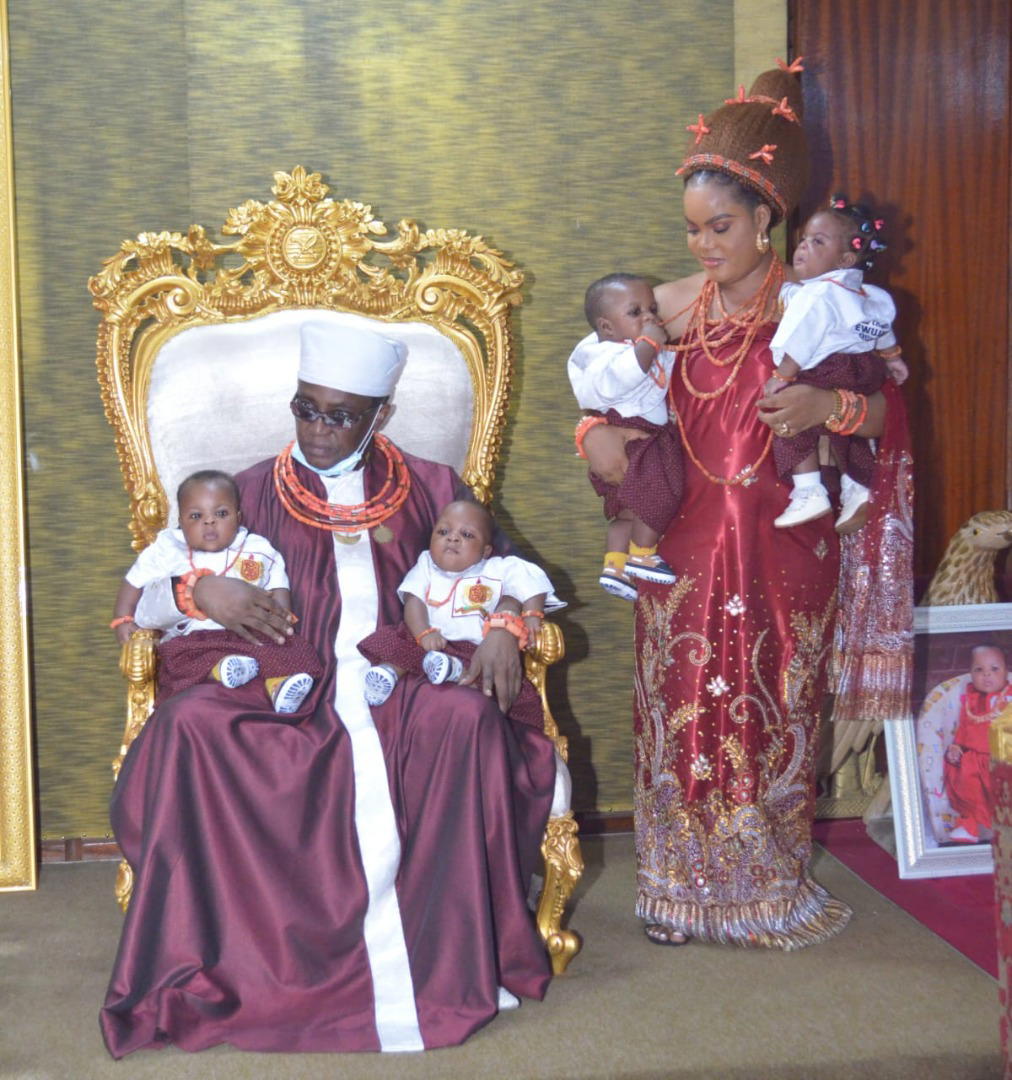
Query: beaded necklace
[
  {"x": 308, "y": 508},
  {"x": 705, "y": 333},
  {"x": 217, "y": 573}
]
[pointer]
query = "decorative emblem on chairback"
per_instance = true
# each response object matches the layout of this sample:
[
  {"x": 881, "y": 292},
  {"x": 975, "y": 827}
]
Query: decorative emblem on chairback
[{"x": 300, "y": 250}]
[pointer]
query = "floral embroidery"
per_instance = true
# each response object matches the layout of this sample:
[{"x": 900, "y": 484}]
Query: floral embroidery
[
  {"x": 717, "y": 686},
  {"x": 701, "y": 767},
  {"x": 734, "y": 606},
  {"x": 821, "y": 549}
]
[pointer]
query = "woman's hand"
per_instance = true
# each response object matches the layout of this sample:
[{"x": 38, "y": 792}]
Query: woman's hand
[
  {"x": 798, "y": 407},
  {"x": 496, "y": 668},
  {"x": 953, "y": 754},
  {"x": 248, "y": 611},
  {"x": 604, "y": 445}
]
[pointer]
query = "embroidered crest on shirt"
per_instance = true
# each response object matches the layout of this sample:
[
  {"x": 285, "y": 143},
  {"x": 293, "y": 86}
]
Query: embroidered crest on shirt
[
  {"x": 473, "y": 595},
  {"x": 251, "y": 568}
]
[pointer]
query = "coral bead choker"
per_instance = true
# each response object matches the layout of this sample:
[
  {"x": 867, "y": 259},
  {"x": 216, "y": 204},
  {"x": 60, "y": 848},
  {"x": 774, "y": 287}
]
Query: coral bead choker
[{"x": 308, "y": 508}]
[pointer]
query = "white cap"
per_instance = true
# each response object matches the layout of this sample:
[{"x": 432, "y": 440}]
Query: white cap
[{"x": 346, "y": 358}]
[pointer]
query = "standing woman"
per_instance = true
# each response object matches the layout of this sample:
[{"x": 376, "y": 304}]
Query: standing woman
[{"x": 731, "y": 661}]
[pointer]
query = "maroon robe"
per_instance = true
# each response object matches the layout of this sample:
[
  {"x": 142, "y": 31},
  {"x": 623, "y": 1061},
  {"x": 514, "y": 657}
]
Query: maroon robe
[{"x": 249, "y": 914}]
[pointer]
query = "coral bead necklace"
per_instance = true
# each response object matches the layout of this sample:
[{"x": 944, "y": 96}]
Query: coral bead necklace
[{"x": 308, "y": 508}]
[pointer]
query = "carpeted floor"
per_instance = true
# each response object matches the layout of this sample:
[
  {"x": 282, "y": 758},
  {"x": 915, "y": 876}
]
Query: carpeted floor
[
  {"x": 959, "y": 909},
  {"x": 887, "y": 1000}
]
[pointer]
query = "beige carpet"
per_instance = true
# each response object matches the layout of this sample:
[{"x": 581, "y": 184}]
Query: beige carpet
[{"x": 887, "y": 999}]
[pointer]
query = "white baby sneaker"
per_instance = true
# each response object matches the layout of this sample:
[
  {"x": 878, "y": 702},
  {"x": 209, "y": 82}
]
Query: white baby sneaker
[
  {"x": 439, "y": 667},
  {"x": 380, "y": 681},
  {"x": 291, "y": 692},
  {"x": 650, "y": 568},
  {"x": 618, "y": 584},
  {"x": 807, "y": 504},
  {"x": 853, "y": 512},
  {"x": 233, "y": 671}
]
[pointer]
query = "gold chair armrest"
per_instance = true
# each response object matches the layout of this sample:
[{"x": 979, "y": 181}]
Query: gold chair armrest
[
  {"x": 548, "y": 648},
  {"x": 138, "y": 665}
]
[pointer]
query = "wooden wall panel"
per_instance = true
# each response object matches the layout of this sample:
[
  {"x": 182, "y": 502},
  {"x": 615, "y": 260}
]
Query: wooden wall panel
[{"x": 907, "y": 104}]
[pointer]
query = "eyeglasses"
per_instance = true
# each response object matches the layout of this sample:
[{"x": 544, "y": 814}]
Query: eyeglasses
[{"x": 339, "y": 418}]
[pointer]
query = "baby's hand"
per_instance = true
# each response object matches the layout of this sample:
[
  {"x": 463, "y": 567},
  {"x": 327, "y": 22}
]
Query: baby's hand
[
  {"x": 953, "y": 754},
  {"x": 654, "y": 330},
  {"x": 773, "y": 384},
  {"x": 433, "y": 642},
  {"x": 898, "y": 370},
  {"x": 125, "y": 631}
]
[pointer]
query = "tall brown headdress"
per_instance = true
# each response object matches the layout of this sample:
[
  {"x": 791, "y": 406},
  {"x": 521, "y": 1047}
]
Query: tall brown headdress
[{"x": 758, "y": 139}]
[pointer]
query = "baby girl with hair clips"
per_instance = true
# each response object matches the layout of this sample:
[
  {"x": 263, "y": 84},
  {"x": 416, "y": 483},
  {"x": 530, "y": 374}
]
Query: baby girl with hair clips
[
  {"x": 836, "y": 333},
  {"x": 452, "y": 596},
  {"x": 211, "y": 540},
  {"x": 621, "y": 371},
  {"x": 967, "y": 766}
]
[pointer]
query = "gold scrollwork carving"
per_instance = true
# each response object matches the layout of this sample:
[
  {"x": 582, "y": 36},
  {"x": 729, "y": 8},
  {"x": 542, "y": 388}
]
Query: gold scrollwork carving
[{"x": 563, "y": 869}]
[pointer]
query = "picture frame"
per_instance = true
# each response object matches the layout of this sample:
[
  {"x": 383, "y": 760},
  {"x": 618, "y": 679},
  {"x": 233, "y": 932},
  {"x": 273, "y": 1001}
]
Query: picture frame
[
  {"x": 916, "y": 743},
  {"x": 18, "y": 844}
]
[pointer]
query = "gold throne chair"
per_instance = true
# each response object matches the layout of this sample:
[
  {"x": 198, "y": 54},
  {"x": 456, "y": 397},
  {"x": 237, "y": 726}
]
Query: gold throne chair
[{"x": 194, "y": 331}]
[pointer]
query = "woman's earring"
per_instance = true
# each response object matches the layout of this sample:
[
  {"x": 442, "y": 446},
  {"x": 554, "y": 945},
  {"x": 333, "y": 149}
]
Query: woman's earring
[{"x": 762, "y": 242}]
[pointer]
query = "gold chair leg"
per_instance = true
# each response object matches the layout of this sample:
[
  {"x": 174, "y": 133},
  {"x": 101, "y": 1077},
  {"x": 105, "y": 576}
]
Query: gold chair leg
[
  {"x": 563, "y": 868},
  {"x": 124, "y": 884}
]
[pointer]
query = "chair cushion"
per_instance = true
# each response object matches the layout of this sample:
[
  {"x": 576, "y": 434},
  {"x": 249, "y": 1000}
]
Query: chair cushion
[{"x": 219, "y": 394}]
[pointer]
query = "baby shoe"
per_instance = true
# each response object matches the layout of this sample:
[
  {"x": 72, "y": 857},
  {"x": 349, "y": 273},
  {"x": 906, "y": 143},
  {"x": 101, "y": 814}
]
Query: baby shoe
[
  {"x": 618, "y": 584},
  {"x": 507, "y": 1001},
  {"x": 233, "y": 671},
  {"x": 807, "y": 504},
  {"x": 380, "y": 681},
  {"x": 439, "y": 667},
  {"x": 650, "y": 568},
  {"x": 853, "y": 512},
  {"x": 289, "y": 694}
]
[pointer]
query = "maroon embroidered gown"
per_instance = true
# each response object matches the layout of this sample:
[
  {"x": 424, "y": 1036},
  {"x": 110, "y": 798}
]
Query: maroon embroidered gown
[
  {"x": 730, "y": 676},
  {"x": 337, "y": 882}
]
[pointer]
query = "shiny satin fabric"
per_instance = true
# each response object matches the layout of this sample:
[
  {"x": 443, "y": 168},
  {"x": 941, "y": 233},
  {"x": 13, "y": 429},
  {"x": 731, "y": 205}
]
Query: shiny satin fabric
[
  {"x": 246, "y": 923},
  {"x": 730, "y": 680}
]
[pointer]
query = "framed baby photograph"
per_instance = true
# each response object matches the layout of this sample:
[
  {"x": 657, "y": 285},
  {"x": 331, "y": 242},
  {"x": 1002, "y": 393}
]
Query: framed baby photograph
[{"x": 938, "y": 755}]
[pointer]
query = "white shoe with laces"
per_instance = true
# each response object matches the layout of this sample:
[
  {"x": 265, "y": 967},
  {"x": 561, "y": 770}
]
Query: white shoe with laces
[{"x": 807, "y": 504}]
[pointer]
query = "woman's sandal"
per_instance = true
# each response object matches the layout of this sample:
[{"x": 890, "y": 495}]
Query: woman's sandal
[{"x": 659, "y": 934}]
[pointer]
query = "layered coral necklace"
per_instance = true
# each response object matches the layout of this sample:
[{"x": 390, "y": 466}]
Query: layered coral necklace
[
  {"x": 350, "y": 520},
  {"x": 707, "y": 332}
]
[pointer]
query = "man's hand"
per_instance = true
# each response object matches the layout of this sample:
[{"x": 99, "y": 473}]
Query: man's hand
[
  {"x": 247, "y": 610},
  {"x": 496, "y": 668}
]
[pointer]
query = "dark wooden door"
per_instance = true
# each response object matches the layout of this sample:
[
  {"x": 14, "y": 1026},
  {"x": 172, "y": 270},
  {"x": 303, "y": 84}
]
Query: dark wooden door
[{"x": 907, "y": 104}]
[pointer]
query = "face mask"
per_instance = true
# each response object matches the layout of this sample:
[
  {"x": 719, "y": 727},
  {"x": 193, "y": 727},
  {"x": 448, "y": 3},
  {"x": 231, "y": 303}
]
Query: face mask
[{"x": 346, "y": 465}]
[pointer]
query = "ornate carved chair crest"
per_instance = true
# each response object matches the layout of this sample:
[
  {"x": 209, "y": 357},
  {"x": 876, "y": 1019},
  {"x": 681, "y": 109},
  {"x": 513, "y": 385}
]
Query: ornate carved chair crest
[{"x": 195, "y": 333}]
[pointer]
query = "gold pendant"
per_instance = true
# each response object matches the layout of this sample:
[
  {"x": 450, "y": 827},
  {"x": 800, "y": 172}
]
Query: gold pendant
[
  {"x": 382, "y": 535},
  {"x": 343, "y": 539}
]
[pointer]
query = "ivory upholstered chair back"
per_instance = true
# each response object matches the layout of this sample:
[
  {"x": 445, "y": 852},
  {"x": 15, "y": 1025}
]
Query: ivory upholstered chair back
[{"x": 197, "y": 360}]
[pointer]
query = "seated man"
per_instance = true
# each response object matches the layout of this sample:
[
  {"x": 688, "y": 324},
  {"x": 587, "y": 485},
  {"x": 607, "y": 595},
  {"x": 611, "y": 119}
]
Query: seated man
[{"x": 353, "y": 879}]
